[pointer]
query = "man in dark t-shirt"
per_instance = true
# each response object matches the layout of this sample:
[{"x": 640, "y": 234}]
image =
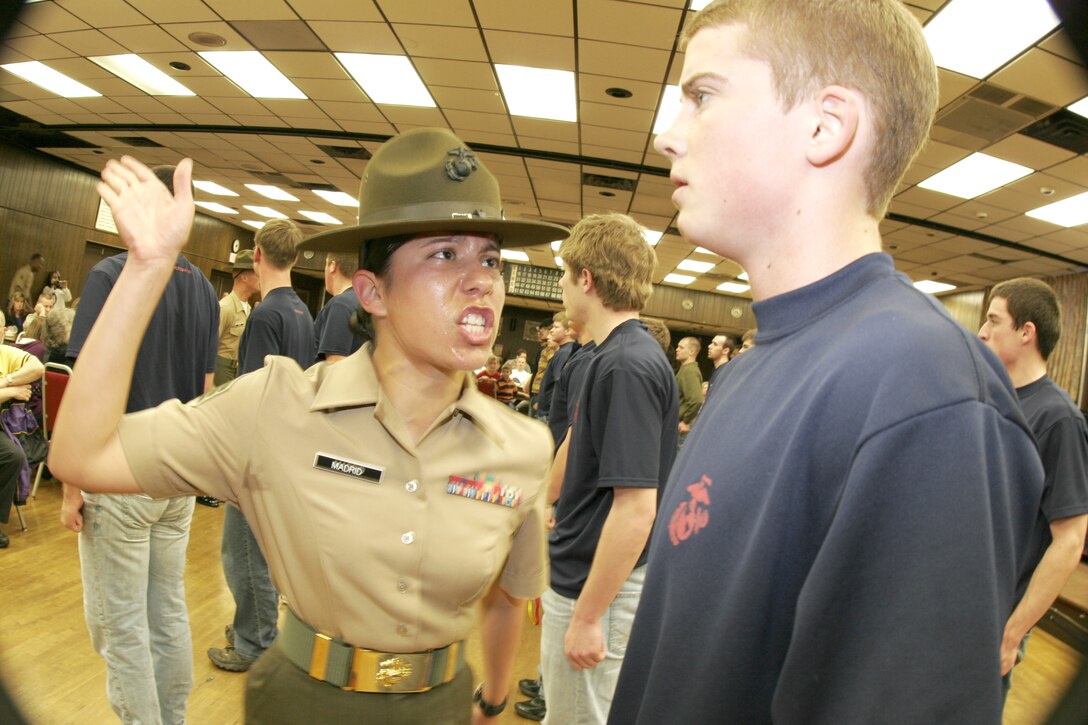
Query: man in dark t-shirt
[
  {"x": 280, "y": 325},
  {"x": 131, "y": 548},
  {"x": 334, "y": 337},
  {"x": 621, "y": 444},
  {"x": 1023, "y": 325}
]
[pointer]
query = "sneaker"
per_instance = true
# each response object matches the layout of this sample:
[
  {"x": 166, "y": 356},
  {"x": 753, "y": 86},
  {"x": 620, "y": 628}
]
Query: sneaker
[
  {"x": 228, "y": 632},
  {"x": 208, "y": 501},
  {"x": 534, "y": 709},
  {"x": 529, "y": 688},
  {"x": 3, "y": 540},
  {"x": 229, "y": 659}
]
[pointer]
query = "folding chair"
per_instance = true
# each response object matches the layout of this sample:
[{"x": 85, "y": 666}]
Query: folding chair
[{"x": 53, "y": 385}]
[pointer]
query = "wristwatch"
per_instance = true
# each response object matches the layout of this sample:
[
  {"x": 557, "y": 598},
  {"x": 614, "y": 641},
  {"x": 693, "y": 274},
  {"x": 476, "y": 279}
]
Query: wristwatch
[{"x": 487, "y": 708}]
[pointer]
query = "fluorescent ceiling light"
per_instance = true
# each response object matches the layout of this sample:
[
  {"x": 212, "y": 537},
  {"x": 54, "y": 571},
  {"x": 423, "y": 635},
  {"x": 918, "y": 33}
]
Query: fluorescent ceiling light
[
  {"x": 704, "y": 250},
  {"x": 743, "y": 275},
  {"x": 651, "y": 236},
  {"x": 320, "y": 216},
  {"x": 556, "y": 245},
  {"x": 538, "y": 92},
  {"x": 255, "y": 225},
  {"x": 693, "y": 265},
  {"x": 213, "y": 188},
  {"x": 931, "y": 287},
  {"x": 735, "y": 287},
  {"x": 215, "y": 206},
  {"x": 1069, "y": 212},
  {"x": 141, "y": 74},
  {"x": 337, "y": 197},
  {"x": 53, "y": 81},
  {"x": 678, "y": 279},
  {"x": 1080, "y": 107},
  {"x": 669, "y": 108},
  {"x": 388, "y": 79},
  {"x": 976, "y": 37},
  {"x": 272, "y": 192},
  {"x": 514, "y": 255},
  {"x": 699, "y": 4},
  {"x": 266, "y": 211},
  {"x": 558, "y": 261},
  {"x": 975, "y": 175},
  {"x": 253, "y": 73}
]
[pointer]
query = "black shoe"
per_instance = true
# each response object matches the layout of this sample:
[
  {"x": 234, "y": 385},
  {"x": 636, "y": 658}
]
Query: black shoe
[
  {"x": 531, "y": 709},
  {"x": 208, "y": 501},
  {"x": 3, "y": 540},
  {"x": 529, "y": 688}
]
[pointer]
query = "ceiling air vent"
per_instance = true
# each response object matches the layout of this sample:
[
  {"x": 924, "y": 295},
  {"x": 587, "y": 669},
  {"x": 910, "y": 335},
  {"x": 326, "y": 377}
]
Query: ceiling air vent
[
  {"x": 1064, "y": 128},
  {"x": 307, "y": 223},
  {"x": 614, "y": 183},
  {"x": 137, "y": 141},
  {"x": 346, "y": 152},
  {"x": 318, "y": 187},
  {"x": 987, "y": 258},
  {"x": 985, "y": 115},
  {"x": 673, "y": 230},
  {"x": 276, "y": 179}
]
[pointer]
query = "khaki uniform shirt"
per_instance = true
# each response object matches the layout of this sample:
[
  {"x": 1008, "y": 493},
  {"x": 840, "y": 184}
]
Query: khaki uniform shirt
[
  {"x": 233, "y": 313},
  {"x": 394, "y": 564},
  {"x": 22, "y": 282}
]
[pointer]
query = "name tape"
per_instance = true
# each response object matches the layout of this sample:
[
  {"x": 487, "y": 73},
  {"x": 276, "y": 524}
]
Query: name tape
[{"x": 345, "y": 467}]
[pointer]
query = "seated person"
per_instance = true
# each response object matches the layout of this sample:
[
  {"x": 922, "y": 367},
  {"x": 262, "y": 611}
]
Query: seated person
[
  {"x": 18, "y": 370},
  {"x": 58, "y": 328},
  {"x": 506, "y": 388},
  {"x": 487, "y": 378}
]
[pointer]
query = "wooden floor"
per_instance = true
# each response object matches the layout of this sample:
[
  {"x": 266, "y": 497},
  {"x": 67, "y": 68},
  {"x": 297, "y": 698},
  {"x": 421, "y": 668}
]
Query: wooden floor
[{"x": 48, "y": 664}]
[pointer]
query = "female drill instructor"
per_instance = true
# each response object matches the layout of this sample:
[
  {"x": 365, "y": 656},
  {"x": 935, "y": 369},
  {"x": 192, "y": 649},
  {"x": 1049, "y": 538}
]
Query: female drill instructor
[{"x": 387, "y": 494}]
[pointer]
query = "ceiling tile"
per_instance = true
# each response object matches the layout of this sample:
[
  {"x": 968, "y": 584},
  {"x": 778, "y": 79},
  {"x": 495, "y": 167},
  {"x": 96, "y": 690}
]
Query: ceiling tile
[
  {"x": 337, "y": 10},
  {"x": 442, "y": 42},
  {"x": 644, "y": 94},
  {"x": 357, "y": 37},
  {"x": 468, "y": 99},
  {"x": 456, "y": 73},
  {"x": 181, "y": 32},
  {"x": 644, "y": 25},
  {"x": 1045, "y": 76},
  {"x": 530, "y": 49},
  {"x": 145, "y": 39},
  {"x": 174, "y": 11},
  {"x": 331, "y": 91},
  {"x": 38, "y": 47},
  {"x": 249, "y": 10},
  {"x": 1030, "y": 152},
  {"x": 622, "y": 61},
  {"x": 474, "y": 121},
  {"x": 50, "y": 18},
  {"x": 447, "y": 12},
  {"x": 551, "y": 17},
  {"x": 103, "y": 13}
]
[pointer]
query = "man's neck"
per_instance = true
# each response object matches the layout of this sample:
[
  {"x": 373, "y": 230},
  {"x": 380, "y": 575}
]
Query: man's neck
[
  {"x": 242, "y": 291},
  {"x": 1027, "y": 371},
  {"x": 603, "y": 320},
  {"x": 273, "y": 279},
  {"x": 340, "y": 284},
  {"x": 720, "y": 361}
]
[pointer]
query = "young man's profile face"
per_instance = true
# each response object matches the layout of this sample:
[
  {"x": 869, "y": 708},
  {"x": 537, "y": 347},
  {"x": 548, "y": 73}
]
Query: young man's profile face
[
  {"x": 999, "y": 332},
  {"x": 734, "y": 152}
]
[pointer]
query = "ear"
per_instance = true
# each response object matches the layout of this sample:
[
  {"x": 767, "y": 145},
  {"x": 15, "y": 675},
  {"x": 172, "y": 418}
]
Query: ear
[
  {"x": 369, "y": 289},
  {"x": 837, "y": 118},
  {"x": 585, "y": 279},
  {"x": 1028, "y": 333}
]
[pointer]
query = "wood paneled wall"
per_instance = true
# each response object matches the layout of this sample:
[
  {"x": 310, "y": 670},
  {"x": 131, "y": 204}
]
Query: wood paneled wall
[
  {"x": 50, "y": 208},
  {"x": 966, "y": 308}
]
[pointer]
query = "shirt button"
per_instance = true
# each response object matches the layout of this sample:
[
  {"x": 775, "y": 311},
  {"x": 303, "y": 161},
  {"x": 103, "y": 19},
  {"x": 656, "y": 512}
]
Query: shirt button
[
  {"x": 408, "y": 537},
  {"x": 402, "y": 629},
  {"x": 411, "y": 486},
  {"x": 402, "y": 586}
]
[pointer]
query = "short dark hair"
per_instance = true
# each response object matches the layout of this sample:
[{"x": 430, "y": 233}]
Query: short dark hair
[
  {"x": 1034, "y": 301},
  {"x": 346, "y": 262},
  {"x": 731, "y": 342},
  {"x": 35, "y": 256},
  {"x": 375, "y": 256}
]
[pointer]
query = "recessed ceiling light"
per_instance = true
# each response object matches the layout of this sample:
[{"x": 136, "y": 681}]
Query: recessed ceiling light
[
  {"x": 976, "y": 37},
  {"x": 53, "y": 81},
  {"x": 141, "y": 74},
  {"x": 320, "y": 216},
  {"x": 692, "y": 265},
  {"x": 388, "y": 79},
  {"x": 734, "y": 287},
  {"x": 272, "y": 192},
  {"x": 538, "y": 92},
  {"x": 1069, "y": 212},
  {"x": 215, "y": 206},
  {"x": 679, "y": 279},
  {"x": 253, "y": 73},
  {"x": 652, "y": 237},
  {"x": 213, "y": 188},
  {"x": 337, "y": 197},
  {"x": 266, "y": 211},
  {"x": 1080, "y": 107},
  {"x": 254, "y": 224},
  {"x": 618, "y": 92},
  {"x": 975, "y": 175},
  {"x": 514, "y": 255},
  {"x": 668, "y": 110},
  {"x": 931, "y": 287}
]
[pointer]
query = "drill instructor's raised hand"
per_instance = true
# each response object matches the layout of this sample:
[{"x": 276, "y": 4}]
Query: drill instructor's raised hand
[{"x": 152, "y": 223}]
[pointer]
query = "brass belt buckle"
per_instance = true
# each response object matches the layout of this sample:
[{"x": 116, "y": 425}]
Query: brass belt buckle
[
  {"x": 385, "y": 672},
  {"x": 392, "y": 671}
]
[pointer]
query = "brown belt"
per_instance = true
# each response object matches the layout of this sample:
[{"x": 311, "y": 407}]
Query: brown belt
[{"x": 365, "y": 670}]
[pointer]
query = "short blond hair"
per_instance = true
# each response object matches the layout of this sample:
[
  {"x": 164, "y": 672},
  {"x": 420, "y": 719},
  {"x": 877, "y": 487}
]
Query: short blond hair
[
  {"x": 622, "y": 262},
  {"x": 278, "y": 241},
  {"x": 875, "y": 47}
]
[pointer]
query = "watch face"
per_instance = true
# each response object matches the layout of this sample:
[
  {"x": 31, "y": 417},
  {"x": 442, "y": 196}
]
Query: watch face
[{"x": 235, "y": 245}]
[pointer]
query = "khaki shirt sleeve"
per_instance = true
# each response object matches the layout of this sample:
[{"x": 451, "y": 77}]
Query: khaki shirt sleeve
[
  {"x": 202, "y": 447},
  {"x": 525, "y": 574}
]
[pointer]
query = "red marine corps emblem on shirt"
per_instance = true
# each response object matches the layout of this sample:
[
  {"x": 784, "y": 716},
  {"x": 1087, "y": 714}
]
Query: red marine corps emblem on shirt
[{"x": 691, "y": 516}]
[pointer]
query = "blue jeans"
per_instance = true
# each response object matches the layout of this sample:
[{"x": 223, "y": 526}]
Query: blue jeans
[
  {"x": 255, "y": 599},
  {"x": 132, "y": 554},
  {"x": 584, "y": 698}
]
